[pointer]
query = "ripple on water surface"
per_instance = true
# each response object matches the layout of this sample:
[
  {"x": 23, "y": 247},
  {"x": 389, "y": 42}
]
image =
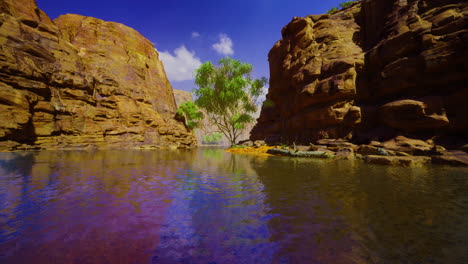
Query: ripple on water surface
[{"x": 210, "y": 206}]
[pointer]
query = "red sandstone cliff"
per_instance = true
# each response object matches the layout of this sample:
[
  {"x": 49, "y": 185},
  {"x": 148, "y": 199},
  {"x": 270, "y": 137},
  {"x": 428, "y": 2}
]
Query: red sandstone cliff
[
  {"x": 81, "y": 82},
  {"x": 378, "y": 69}
]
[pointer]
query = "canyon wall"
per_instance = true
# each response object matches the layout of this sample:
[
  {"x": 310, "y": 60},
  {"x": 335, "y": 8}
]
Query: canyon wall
[
  {"x": 80, "y": 82},
  {"x": 373, "y": 71}
]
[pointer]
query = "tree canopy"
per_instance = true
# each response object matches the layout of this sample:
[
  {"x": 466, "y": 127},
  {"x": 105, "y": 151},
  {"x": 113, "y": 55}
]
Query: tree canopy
[
  {"x": 191, "y": 114},
  {"x": 228, "y": 94}
]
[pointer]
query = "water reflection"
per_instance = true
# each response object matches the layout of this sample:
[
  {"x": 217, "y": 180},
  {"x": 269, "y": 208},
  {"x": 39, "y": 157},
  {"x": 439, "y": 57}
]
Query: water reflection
[
  {"x": 350, "y": 212},
  {"x": 209, "y": 206}
]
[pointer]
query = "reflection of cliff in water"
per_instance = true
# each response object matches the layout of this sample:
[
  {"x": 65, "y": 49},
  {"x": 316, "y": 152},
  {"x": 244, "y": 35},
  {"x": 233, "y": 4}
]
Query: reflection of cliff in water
[
  {"x": 111, "y": 203},
  {"x": 207, "y": 205},
  {"x": 349, "y": 212}
]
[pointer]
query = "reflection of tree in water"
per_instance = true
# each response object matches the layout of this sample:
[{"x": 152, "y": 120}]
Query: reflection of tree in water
[
  {"x": 209, "y": 205},
  {"x": 218, "y": 216},
  {"x": 349, "y": 212}
]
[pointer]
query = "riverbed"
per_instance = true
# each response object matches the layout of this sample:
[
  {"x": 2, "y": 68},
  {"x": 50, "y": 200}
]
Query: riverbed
[{"x": 210, "y": 206}]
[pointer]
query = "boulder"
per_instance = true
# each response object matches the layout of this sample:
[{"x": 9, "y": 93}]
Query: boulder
[
  {"x": 371, "y": 150},
  {"x": 454, "y": 158},
  {"x": 259, "y": 143},
  {"x": 408, "y": 145},
  {"x": 345, "y": 154},
  {"x": 247, "y": 143}
]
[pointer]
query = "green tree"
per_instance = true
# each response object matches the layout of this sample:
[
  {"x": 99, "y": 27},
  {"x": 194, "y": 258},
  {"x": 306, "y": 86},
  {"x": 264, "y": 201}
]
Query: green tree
[
  {"x": 212, "y": 138},
  {"x": 191, "y": 114},
  {"x": 228, "y": 94}
]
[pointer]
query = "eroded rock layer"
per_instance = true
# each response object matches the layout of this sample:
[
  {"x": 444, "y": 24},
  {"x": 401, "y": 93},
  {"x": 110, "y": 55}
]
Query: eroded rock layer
[
  {"x": 81, "y": 82},
  {"x": 375, "y": 70}
]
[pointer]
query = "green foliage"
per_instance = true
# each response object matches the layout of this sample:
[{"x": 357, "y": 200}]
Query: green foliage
[
  {"x": 191, "y": 114},
  {"x": 268, "y": 104},
  {"x": 346, "y": 4},
  {"x": 212, "y": 138},
  {"x": 343, "y": 5},
  {"x": 333, "y": 10},
  {"x": 228, "y": 94}
]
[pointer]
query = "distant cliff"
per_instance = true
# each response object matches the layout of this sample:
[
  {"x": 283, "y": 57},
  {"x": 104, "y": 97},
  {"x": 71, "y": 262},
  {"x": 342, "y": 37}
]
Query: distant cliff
[
  {"x": 375, "y": 70},
  {"x": 80, "y": 82}
]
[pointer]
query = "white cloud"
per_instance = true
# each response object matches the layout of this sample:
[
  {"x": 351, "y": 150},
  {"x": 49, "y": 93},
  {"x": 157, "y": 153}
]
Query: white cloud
[
  {"x": 195, "y": 34},
  {"x": 224, "y": 47},
  {"x": 181, "y": 66}
]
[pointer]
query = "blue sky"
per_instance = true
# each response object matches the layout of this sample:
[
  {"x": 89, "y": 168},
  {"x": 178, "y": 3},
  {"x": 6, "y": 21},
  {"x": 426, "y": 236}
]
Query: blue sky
[{"x": 187, "y": 33}]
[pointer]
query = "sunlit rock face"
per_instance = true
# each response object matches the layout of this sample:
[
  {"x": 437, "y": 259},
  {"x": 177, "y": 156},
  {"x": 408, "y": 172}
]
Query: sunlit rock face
[
  {"x": 375, "y": 70},
  {"x": 79, "y": 82}
]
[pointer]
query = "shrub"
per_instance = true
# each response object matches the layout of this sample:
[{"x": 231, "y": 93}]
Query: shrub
[
  {"x": 190, "y": 114},
  {"x": 346, "y": 4},
  {"x": 333, "y": 10}
]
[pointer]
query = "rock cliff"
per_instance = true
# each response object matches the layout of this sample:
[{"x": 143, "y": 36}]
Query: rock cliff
[
  {"x": 79, "y": 82},
  {"x": 373, "y": 71}
]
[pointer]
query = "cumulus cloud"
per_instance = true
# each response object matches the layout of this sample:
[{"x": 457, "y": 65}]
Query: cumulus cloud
[
  {"x": 224, "y": 46},
  {"x": 181, "y": 65},
  {"x": 195, "y": 34}
]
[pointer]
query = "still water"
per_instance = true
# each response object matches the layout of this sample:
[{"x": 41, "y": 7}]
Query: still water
[{"x": 209, "y": 206}]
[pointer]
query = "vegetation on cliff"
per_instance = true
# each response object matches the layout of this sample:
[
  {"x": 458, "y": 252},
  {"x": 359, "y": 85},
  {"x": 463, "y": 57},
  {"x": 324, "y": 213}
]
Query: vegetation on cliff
[
  {"x": 343, "y": 5},
  {"x": 191, "y": 114}
]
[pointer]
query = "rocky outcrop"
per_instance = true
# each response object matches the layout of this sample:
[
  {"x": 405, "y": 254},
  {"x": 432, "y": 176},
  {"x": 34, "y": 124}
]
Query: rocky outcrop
[
  {"x": 376, "y": 70},
  {"x": 80, "y": 82}
]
